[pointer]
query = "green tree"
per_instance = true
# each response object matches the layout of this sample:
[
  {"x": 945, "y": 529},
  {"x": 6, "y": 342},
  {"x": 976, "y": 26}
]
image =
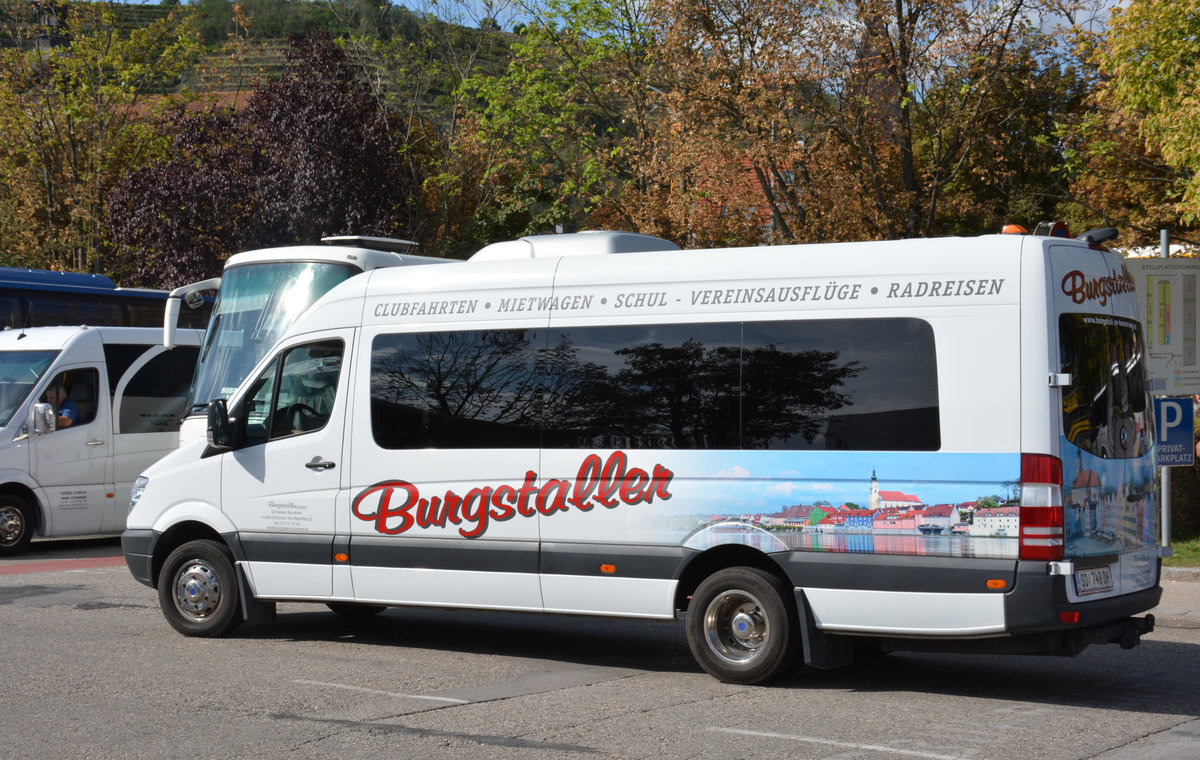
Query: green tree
[
  {"x": 1020, "y": 171},
  {"x": 1151, "y": 55},
  {"x": 558, "y": 128},
  {"x": 75, "y": 89}
]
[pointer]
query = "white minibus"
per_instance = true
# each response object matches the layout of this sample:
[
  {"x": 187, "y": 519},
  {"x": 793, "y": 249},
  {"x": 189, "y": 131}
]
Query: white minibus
[
  {"x": 67, "y": 465},
  {"x": 799, "y": 451}
]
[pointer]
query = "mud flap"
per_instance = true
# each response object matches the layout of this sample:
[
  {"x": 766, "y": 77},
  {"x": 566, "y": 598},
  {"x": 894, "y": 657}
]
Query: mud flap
[
  {"x": 253, "y": 610},
  {"x": 821, "y": 651}
]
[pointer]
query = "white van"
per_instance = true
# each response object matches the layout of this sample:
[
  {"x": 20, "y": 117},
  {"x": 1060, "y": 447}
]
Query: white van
[
  {"x": 69, "y": 474},
  {"x": 939, "y": 444}
]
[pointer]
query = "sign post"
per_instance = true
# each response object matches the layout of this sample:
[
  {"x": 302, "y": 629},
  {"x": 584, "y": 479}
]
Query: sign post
[
  {"x": 1175, "y": 438},
  {"x": 1169, "y": 289}
]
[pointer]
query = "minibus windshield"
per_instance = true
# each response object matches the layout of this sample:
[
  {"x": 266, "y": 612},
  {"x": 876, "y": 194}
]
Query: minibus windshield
[
  {"x": 256, "y": 305},
  {"x": 19, "y": 373}
]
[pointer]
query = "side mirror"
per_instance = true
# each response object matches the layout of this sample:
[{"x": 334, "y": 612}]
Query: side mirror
[
  {"x": 170, "y": 321},
  {"x": 42, "y": 419},
  {"x": 220, "y": 432},
  {"x": 193, "y": 300}
]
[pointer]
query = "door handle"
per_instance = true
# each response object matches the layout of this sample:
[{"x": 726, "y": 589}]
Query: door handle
[
  {"x": 93, "y": 443},
  {"x": 318, "y": 463}
]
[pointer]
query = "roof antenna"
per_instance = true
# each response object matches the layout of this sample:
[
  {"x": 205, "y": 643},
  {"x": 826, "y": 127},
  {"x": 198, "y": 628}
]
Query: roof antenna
[{"x": 25, "y": 321}]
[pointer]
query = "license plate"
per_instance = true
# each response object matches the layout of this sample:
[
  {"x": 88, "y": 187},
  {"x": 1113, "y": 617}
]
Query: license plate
[{"x": 1093, "y": 580}]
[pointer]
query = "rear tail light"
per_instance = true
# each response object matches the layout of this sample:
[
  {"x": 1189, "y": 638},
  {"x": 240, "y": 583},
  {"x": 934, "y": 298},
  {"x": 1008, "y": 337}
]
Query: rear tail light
[{"x": 1041, "y": 508}]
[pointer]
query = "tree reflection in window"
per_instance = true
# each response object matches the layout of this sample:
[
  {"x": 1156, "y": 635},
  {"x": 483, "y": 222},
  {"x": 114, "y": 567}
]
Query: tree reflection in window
[
  {"x": 1106, "y": 408},
  {"x": 784, "y": 385},
  {"x": 464, "y": 389}
]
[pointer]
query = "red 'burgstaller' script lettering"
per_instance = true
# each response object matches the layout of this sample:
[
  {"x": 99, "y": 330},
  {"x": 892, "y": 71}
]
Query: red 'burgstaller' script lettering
[
  {"x": 1077, "y": 285},
  {"x": 395, "y": 506}
]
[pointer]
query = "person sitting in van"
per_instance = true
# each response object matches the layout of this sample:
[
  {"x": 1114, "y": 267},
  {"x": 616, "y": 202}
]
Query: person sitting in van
[{"x": 64, "y": 408}]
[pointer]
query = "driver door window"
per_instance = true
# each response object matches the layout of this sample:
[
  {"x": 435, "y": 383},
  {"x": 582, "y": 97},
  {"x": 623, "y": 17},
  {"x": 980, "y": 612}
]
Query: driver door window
[
  {"x": 296, "y": 395},
  {"x": 73, "y": 396}
]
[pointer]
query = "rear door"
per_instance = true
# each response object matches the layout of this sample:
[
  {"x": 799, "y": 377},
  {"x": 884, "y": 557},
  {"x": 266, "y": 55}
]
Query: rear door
[{"x": 1110, "y": 487}]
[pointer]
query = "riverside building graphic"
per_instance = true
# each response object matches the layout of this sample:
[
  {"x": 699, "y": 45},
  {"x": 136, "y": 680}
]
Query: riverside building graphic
[{"x": 975, "y": 515}]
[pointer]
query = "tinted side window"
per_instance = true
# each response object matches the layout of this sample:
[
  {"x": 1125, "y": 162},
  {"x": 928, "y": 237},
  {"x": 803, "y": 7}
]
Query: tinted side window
[
  {"x": 257, "y": 407},
  {"x": 307, "y": 388},
  {"x": 813, "y": 384},
  {"x": 146, "y": 313},
  {"x": 118, "y": 358},
  {"x": 195, "y": 318},
  {"x": 848, "y": 384},
  {"x": 49, "y": 310},
  {"x": 11, "y": 312},
  {"x": 644, "y": 386},
  {"x": 456, "y": 389},
  {"x": 73, "y": 394},
  {"x": 296, "y": 397},
  {"x": 155, "y": 396}
]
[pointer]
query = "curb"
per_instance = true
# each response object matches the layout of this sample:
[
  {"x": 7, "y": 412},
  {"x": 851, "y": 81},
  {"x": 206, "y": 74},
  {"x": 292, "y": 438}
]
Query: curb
[{"x": 1181, "y": 574}]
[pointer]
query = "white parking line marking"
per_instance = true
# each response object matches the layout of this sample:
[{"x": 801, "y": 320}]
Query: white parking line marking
[
  {"x": 348, "y": 687},
  {"x": 849, "y": 745}
]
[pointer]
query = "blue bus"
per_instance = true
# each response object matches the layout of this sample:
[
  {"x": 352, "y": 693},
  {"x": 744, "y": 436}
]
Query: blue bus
[{"x": 39, "y": 298}]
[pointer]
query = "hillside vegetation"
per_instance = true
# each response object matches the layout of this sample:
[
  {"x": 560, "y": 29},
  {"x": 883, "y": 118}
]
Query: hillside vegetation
[{"x": 150, "y": 142}]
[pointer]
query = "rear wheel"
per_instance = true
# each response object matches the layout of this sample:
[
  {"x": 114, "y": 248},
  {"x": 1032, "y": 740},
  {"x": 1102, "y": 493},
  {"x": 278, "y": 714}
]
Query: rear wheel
[
  {"x": 198, "y": 590},
  {"x": 16, "y": 525},
  {"x": 742, "y": 626}
]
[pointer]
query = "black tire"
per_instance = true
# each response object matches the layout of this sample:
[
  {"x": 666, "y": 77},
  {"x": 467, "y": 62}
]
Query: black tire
[
  {"x": 351, "y": 609},
  {"x": 742, "y": 626},
  {"x": 198, "y": 590},
  {"x": 16, "y": 525}
]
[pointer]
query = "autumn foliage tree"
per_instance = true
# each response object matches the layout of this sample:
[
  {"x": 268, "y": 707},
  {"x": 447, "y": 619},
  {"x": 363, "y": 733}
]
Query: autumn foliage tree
[
  {"x": 856, "y": 119},
  {"x": 76, "y": 86},
  {"x": 714, "y": 123},
  {"x": 310, "y": 155}
]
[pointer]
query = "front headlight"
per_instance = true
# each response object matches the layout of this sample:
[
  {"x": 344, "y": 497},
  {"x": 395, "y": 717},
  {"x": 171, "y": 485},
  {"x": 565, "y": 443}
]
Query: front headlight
[{"x": 139, "y": 487}]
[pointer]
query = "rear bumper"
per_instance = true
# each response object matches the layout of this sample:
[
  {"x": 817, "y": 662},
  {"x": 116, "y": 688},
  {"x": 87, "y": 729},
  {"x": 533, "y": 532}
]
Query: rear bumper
[
  {"x": 949, "y": 604},
  {"x": 1039, "y": 603}
]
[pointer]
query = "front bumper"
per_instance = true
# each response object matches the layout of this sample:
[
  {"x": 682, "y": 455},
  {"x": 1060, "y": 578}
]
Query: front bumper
[{"x": 138, "y": 548}]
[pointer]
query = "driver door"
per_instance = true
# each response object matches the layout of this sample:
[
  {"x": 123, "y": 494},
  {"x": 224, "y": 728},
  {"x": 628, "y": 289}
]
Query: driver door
[
  {"x": 73, "y": 464},
  {"x": 284, "y": 480}
]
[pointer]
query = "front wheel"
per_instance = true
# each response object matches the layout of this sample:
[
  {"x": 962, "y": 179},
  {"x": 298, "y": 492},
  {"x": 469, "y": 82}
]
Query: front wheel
[
  {"x": 198, "y": 590},
  {"x": 742, "y": 627},
  {"x": 16, "y": 525}
]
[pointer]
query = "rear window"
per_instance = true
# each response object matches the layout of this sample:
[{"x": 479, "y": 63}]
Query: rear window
[{"x": 1106, "y": 410}]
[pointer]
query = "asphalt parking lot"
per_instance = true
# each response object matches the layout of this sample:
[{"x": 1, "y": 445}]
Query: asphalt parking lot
[{"x": 93, "y": 671}]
